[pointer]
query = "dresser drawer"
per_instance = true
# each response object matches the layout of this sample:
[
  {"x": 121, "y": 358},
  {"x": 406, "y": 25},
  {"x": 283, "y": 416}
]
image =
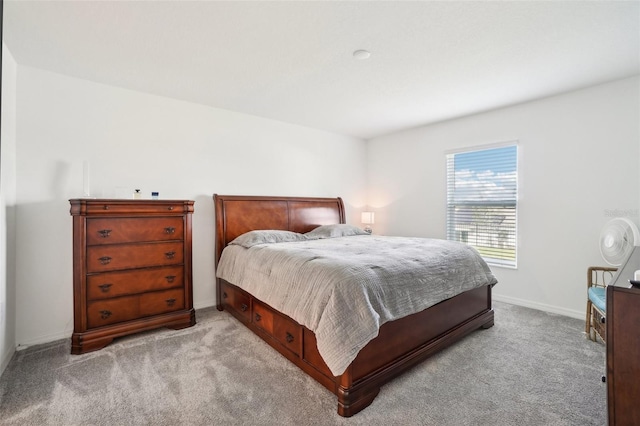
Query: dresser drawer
[
  {"x": 125, "y": 256},
  {"x": 105, "y": 312},
  {"x": 237, "y": 300},
  {"x": 128, "y": 230},
  {"x": 112, "y": 284},
  {"x": 130, "y": 207},
  {"x": 120, "y": 309},
  {"x": 161, "y": 302}
]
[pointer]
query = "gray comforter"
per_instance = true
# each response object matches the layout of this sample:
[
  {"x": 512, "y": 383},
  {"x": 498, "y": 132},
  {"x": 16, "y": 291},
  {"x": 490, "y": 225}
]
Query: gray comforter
[{"x": 345, "y": 288}]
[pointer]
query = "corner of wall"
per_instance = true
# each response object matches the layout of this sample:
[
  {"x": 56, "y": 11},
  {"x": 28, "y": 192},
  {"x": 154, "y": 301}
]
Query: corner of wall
[{"x": 7, "y": 209}]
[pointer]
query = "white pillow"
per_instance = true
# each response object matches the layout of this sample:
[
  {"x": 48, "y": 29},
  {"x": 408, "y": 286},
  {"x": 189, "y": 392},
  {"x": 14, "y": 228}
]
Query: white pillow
[
  {"x": 336, "y": 230},
  {"x": 267, "y": 236}
]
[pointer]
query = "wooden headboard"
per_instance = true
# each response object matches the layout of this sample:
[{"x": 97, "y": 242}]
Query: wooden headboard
[{"x": 237, "y": 214}]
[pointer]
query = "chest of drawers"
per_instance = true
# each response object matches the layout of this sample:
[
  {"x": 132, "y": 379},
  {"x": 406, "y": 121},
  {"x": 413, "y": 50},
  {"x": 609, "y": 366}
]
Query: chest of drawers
[
  {"x": 131, "y": 268},
  {"x": 623, "y": 355}
]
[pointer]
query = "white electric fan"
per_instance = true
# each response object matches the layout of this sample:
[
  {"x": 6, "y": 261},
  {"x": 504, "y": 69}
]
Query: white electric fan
[{"x": 617, "y": 239}]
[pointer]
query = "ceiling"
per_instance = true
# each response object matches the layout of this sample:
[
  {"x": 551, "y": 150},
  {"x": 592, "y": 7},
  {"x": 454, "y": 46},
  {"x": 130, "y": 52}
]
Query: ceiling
[{"x": 293, "y": 61}]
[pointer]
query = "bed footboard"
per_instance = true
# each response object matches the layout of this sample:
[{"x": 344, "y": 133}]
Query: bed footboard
[{"x": 400, "y": 345}]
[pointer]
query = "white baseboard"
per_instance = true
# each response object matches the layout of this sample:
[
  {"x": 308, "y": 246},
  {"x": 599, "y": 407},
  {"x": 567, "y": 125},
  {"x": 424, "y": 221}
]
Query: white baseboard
[
  {"x": 212, "y": 302},
  {"x": 67, "y": 333},
  {"x": 540, "y": 306},
  {"x": 204, "y": 304},
  {"x": 45, "y": 339}
]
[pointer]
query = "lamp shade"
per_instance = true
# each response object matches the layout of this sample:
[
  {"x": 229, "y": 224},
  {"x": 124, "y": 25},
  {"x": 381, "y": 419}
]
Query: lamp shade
[{"x": 368, "y": 218}]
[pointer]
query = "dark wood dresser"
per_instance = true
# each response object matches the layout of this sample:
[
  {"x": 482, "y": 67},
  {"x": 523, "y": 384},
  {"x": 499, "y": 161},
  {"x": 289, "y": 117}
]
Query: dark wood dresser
[
  {"x": 131, "y": 268},
  {"x": 623, "y": 355}
]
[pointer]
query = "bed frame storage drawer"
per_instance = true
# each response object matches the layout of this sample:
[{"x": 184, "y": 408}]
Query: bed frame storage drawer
[
  {"x": 262, "y": 317},
  {"x": 237, "y": 301},
  {"x": 131, "y": 268},
  {"x": 285, "y": 331},
  {"x": 282, "y": 328},
  {"x": 288, "y": 333}
]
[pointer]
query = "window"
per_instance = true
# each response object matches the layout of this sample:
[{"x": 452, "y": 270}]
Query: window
[{"x": 482, "y": 193}]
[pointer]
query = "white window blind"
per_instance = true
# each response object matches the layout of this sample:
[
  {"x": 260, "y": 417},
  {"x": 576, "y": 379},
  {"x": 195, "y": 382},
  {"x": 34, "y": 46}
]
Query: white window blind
[{"x": 482, "y": 202}]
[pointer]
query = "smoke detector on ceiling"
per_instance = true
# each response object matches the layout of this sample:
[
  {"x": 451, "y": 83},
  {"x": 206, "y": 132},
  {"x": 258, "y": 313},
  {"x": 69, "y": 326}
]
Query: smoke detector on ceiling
[{"x": 361, "y": 54}]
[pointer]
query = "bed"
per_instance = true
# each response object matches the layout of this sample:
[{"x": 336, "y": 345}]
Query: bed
[{"x": 399, "y": 345}]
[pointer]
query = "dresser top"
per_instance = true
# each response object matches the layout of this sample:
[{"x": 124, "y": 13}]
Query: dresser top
[{"x": 116, "y": 206}]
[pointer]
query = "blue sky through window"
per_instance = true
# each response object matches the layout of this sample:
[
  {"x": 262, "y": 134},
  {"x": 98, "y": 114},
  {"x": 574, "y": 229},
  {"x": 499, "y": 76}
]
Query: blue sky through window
[
  {"x": 495, "y": 160},
  {"x": 488, "y": 174}
]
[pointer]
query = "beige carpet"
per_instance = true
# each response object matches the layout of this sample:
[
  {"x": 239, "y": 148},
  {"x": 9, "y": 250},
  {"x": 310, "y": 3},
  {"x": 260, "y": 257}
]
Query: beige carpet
[{"x": 531, "y": 368}]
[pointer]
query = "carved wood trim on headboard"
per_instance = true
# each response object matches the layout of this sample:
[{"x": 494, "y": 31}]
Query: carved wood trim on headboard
[{"x": 237, "y": 214}]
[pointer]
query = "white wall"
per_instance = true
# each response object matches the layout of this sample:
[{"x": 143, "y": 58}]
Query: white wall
[
  {"x": 136, "y": 140},
  {"x": 7, "y": 210},
  {"x": 579, "y": 163},
  {"x": 579, "y": 166}
]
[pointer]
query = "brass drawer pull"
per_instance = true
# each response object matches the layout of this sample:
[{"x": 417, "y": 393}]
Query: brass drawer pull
[
  {"x": 104, "y": 233},
  {"x": 169, "y": 230},
  {"x": 170, "y": 302},
  {"x": 244, "y": 307},
  {"x": 170, "y": 208},
  {"x": 106, "y": 207},
  {"x": 105, "y": 287},
  {"x": 105, "y": 260},
  {"x": 105, "y": 314},
  {"x": 170, "y": 278},
  {"x": 258, "y": 317},
  {"x": 289, "y": 337},
  {"x": 170, "y": 254}
]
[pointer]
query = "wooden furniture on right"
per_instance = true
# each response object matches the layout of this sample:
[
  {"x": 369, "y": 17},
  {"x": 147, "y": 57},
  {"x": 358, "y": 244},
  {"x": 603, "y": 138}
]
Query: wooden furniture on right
[
  {"x": 400, "y": 345},
  {"x": 623, "y": 355}
]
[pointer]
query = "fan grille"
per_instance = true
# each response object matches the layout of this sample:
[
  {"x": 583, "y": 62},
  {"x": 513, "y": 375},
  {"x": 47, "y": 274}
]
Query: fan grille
[{"x": 617, "y": 240}]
